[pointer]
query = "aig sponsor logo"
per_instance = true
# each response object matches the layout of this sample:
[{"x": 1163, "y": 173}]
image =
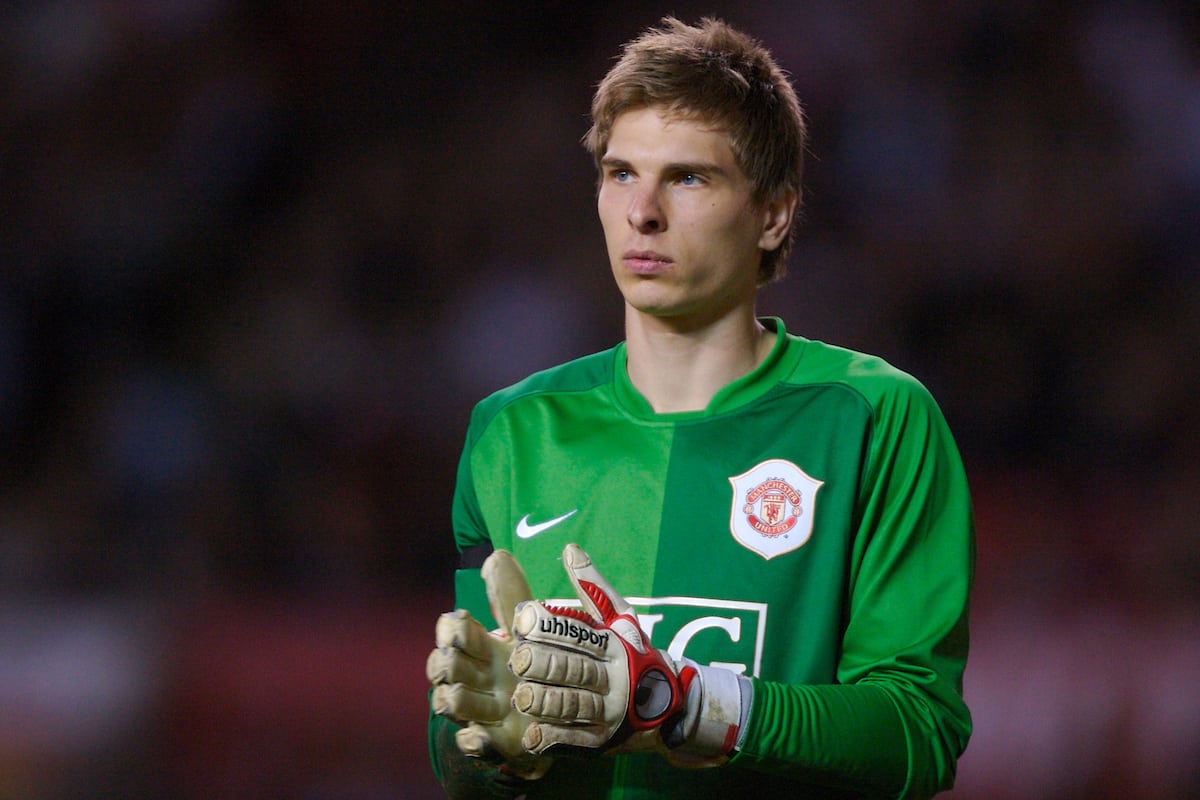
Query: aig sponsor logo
[{"x": 719, "y": 633}]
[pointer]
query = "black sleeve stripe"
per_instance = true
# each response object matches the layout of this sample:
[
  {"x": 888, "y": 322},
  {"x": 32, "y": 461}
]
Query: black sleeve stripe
[{"x": 474, "y": 556}]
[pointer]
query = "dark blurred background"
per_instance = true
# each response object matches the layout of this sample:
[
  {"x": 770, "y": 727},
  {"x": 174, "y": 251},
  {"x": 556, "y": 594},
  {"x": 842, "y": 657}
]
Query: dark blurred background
[{"x": 258, "y": 260}]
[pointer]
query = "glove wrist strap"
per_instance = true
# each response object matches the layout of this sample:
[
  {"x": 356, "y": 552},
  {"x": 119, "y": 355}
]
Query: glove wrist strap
[{"x": 717, "y": 709}]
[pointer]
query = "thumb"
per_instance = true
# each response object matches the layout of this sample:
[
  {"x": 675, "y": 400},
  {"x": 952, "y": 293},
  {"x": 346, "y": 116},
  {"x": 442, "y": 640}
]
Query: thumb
[
  {"x": 505, "y": 584},
  {"x": 601, "y": 600}
]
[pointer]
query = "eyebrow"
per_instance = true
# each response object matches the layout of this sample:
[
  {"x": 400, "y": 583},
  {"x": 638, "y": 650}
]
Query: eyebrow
[{"x": 673, "y": 168}]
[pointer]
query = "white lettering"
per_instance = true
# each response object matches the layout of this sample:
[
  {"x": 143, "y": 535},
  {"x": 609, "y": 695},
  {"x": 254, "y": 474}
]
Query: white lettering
[
  {"x": 648, "y": 621},
  {"x": 731, "y": 626}
]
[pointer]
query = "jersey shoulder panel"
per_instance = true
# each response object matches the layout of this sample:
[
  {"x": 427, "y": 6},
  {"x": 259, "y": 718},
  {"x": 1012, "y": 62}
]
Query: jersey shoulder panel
[
  {"x": 874, "y": 379},
  {"x": 578, "y": 375}
]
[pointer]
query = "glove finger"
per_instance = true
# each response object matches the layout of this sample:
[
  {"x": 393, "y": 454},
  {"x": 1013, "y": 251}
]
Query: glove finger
[
  {"x": 546, "y": 664},
  {"x": 460, "y": 702},
  {"x": 558, "y": 703},
  {"x": 506, "y": 586},
  {"x": 542, "y": 737},
  {"x": 474, "y": 740},
  {"x": 447, "y": 665},
  {"x": 460, "y": 631},
  {"x": 598, "y": 596},
  {"x": 477, "y": 741}
]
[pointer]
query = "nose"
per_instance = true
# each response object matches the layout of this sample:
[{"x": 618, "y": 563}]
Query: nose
[{"x": 646, "y": 212}]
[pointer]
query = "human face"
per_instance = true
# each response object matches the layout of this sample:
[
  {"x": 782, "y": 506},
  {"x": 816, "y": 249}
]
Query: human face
[{"x": 683, "y": 232}]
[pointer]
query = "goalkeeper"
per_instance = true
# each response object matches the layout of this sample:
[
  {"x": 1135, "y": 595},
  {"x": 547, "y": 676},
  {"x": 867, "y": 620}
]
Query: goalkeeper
[{"x": 719, "y": 557}]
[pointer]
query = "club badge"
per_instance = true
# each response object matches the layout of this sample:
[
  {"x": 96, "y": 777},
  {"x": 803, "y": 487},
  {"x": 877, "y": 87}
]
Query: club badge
[{"x": 773, "y": 507}]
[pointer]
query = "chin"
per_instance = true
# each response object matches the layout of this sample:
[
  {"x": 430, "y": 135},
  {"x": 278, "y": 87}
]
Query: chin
[{"x": 653, "y": 304}]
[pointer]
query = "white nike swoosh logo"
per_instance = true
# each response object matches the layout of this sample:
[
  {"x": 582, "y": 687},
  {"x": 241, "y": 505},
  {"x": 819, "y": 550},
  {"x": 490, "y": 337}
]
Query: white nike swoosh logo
[{"x": 527, "y": 531}]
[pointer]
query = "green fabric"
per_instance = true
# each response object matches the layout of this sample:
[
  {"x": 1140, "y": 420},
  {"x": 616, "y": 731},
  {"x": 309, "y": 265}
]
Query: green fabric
[{"x": 848, "y": 609}]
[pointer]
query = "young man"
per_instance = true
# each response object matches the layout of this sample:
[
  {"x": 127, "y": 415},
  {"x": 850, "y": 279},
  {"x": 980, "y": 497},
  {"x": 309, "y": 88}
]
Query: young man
[{"x": 789, "y": 520}]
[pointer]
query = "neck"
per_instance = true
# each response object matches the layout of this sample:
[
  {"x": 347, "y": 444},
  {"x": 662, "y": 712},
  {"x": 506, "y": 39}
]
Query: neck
[{"x": 680, "y": 369}]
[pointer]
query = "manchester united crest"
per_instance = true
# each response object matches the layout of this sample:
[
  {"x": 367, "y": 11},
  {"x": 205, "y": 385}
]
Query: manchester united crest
[{"x": 773, "y": 507}]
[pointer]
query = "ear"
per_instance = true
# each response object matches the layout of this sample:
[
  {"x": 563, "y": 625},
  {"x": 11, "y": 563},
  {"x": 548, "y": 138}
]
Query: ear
[{"x": 777, "y": 219}]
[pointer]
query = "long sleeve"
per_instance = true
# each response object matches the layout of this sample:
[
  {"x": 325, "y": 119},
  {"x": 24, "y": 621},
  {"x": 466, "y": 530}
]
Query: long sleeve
[{"x": 895, "y": 723}]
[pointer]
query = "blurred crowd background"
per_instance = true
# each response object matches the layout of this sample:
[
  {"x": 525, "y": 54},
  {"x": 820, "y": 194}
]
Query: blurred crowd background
[{"x": 258, "y": 260}]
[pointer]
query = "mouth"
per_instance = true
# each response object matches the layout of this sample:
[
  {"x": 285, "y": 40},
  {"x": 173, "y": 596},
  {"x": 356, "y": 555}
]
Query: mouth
[{"x": 646, "y": 262}]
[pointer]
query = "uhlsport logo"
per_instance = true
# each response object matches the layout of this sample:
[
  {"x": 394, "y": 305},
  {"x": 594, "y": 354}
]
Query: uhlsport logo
[
  {"x": 773, "y": 506},
  {"x": 568, "y": 630}
]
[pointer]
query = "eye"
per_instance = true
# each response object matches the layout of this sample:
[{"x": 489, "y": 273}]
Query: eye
[
  {"x": 690, "y": 179},
  {"x": 621, "y": 175}
]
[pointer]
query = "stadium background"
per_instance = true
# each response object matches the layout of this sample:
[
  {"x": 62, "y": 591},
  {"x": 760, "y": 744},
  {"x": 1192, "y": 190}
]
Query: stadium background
[{"x": 259, "y": 259}]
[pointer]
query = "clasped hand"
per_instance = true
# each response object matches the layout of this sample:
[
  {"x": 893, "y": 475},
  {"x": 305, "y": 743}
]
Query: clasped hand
[
  {"x": 590, "y": 677},
  {"x": 551, "y": 679}
]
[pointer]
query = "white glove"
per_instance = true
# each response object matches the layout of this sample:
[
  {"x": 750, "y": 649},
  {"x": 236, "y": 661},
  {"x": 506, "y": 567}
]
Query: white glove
[
  {"x": 593, "y": 681},
  {"x": 471, "y": 679}
]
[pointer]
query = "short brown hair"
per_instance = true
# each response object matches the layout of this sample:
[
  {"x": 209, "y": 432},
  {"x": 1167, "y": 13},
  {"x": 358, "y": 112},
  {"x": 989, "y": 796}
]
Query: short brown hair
[{"x": 715, "y": 73}]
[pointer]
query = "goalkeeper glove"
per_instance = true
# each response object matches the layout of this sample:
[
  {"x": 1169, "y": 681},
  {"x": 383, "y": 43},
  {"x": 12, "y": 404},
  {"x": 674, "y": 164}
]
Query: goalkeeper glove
[
  {"x": 471, "y": 679},
  {"x": 592, "y": 681}
]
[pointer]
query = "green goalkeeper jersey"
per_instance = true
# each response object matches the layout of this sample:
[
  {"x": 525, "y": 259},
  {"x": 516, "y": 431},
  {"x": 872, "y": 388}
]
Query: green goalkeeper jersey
[{"x": 810, "y": 529}]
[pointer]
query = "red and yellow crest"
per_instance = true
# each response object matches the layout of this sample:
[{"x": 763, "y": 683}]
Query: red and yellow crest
[{"x": 773, "y": 506}]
